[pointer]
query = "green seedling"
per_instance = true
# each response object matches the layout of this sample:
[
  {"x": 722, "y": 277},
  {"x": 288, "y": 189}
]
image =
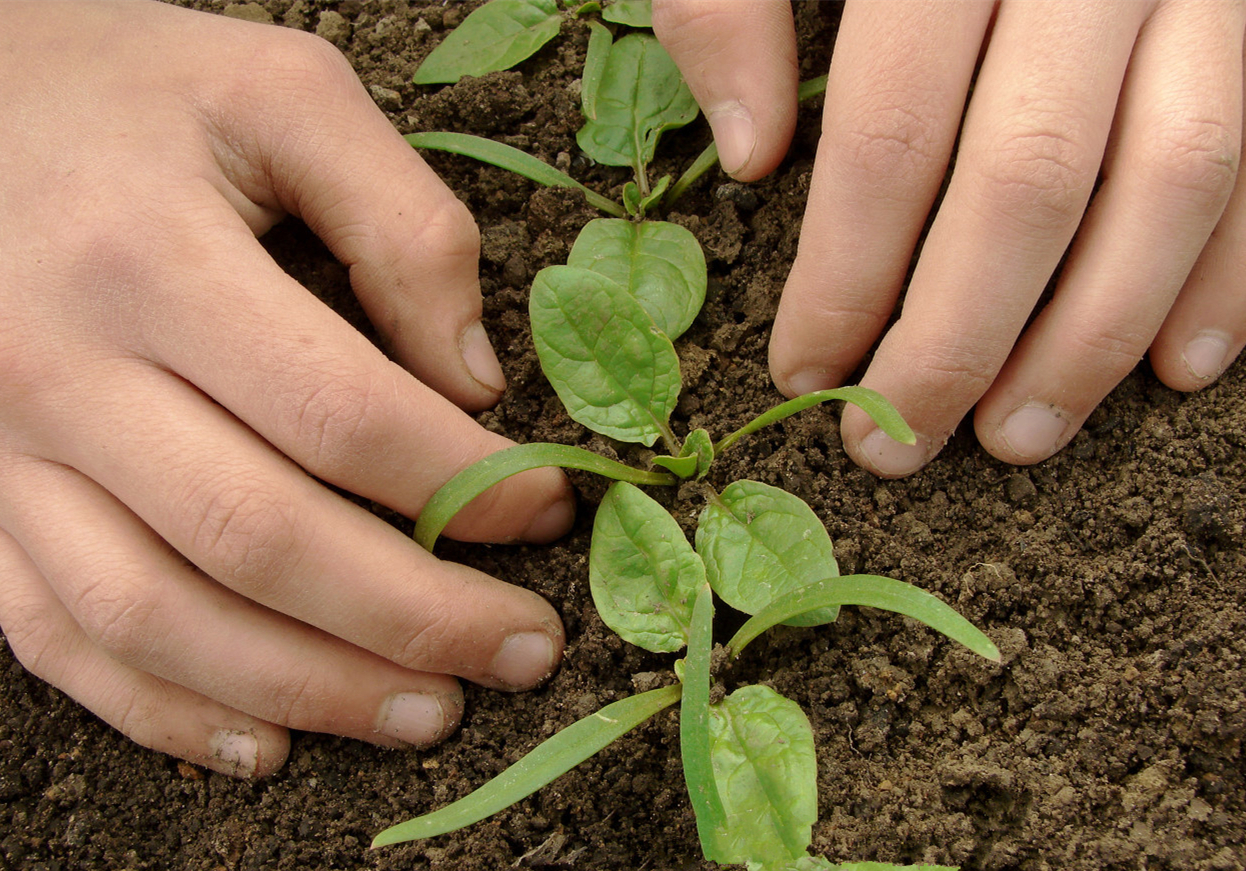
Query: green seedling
[{"x": 604, "y": 327}]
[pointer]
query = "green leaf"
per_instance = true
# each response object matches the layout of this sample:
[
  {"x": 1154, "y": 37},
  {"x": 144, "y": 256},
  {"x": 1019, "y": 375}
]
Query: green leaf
[
  {"x": 643, "y": 573},
  {"x": 456, "y": 493},
  {"x": 871, "y": 402},
  {"x": 553, "y": 758},
  {"x": 507, "y": 157},
  {"x": 615, "y": 371},
  {"x": 694, "y": 459},
  {"x": 766, "y": 770},
  {"x": 632, "y": 13},
  {"x": 817, "y": 863},
  {"x": 495, "y": 37},
  {"x": 661, "y": 264},
  {"x": 760, "y": 543},
  {"x": 872, "y": 591},
  {"x": 641, "y": 95},
  {"x": 599, "y": 42},
  {"x": 695, "y": 745}
]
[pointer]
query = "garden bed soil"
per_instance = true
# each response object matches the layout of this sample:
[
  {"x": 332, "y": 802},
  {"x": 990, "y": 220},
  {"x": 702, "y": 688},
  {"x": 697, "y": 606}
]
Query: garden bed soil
[{"x": 1112, "y": 577}]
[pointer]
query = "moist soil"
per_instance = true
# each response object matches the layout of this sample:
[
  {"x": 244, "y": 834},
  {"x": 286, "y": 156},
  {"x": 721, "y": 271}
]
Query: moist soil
[{"x": 1112, "y": 577}]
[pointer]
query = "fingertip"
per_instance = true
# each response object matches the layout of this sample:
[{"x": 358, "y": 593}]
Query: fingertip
[
  {"x": 1199, "y": 362},
  {"x": 527, "y": 659},
  {"x": 481, "y": 362},
  {"x": 883, "y": 456}
]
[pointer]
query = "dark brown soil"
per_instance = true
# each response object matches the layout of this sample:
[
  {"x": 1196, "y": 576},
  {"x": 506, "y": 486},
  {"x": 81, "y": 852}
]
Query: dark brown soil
[{"x": 1113, "y": 577}]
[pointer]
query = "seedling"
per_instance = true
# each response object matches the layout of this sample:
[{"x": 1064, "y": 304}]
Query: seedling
[{"x": 603, "y": 326}]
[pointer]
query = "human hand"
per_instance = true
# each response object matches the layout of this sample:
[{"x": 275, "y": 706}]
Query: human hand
[
  {"x": 1146, "y": 97},
  {"x": 167, "y": 394}
]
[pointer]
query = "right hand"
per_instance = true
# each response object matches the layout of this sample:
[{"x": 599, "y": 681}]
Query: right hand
[{"x": 167, "y": 394}]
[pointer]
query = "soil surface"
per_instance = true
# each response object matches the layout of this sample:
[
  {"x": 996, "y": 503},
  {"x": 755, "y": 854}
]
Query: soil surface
[{"x": 1112, "y": 577}]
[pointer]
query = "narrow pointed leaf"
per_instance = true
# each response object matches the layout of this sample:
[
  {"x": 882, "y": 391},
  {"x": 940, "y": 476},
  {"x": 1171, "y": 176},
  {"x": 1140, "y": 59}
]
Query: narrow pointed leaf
[
  {"x": 817, "y": 863},
  {"x": 456, "y": 493},
  {"x": 873, "y": 591},
  {"x": 511, "y": 158},
  {"x": 871, "y": 402},
  {"x": 695, "y": 745},
  {"x": 760, "y": 543},
  {"x": 766, "y": 770},
  {"x": 494, "y": 37},
  {"x": 641, "y": 95},
  {"x": 661, "y": 264},
  {"x": 613, "y": 369},
  {"x": 643, "y": 573},
  {"x": 549, "y": 760}
]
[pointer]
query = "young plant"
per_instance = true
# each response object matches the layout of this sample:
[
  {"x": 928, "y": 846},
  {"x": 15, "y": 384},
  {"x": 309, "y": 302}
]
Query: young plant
[{"x": 603, "y": 326}]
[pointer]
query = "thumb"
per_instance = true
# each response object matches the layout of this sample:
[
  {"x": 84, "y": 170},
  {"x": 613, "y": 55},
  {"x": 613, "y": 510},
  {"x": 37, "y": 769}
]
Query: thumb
[
  {"x": 319, "y": 146},
  {"x": 739, "y": 59}
]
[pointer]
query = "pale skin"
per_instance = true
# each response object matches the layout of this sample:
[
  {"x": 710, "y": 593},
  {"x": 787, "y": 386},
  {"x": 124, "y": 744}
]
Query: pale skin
[
  {"x": 165, "y": 557},
  {"x": 1145, "y": 95},
  {"x": 168, "y": 396}
]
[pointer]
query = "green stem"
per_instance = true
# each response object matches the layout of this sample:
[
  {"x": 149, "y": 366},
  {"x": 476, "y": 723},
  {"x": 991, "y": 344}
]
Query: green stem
[
  {"x": 480, "y": 476},
  {"x": 694, "y": 723}
]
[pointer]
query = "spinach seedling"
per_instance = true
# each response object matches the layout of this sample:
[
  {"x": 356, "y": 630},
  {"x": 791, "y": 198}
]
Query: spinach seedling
[{"x": 603, "y": 325}]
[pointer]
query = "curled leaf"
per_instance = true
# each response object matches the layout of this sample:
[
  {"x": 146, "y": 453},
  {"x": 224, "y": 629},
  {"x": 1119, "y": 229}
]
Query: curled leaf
[{"x": 641, "y": 94}]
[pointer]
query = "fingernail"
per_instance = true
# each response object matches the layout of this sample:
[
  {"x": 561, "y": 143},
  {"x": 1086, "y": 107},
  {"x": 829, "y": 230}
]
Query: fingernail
[
  {"x": 237, "y": 752},
  {"x": 1206, "y": 355},
  {"x": 734, "y": 135},
  {"x": 893, "y": 459},
  {"x": 809, "y": 380},
  {"x": 553, "y": 522},
  {"x": 478, "y": 355},
  {"x": 524, "y": 660},
  {"x": 1034, "y": 431},
  {"x": 415, "y": 718}
]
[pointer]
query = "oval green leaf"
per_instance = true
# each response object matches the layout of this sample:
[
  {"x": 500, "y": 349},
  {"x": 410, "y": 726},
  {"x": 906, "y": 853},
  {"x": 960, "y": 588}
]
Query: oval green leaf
[
  {"x": 495, "y": 37},
  {"x": 760, "y": 543},
  {"x": 633, "y": 13},
  {"x": 613, "y": 369},
  {"x": 640, "y": 95},
  {"x": 643, "y": 573},
  {"x": 661, "y": 264},
  {"x": 766, "y": 770},
  {"x": 552, "y": 758}
]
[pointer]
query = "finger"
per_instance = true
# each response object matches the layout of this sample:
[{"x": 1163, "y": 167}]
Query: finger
[
  {"x": 739, "y": 60},
  {"x": 1033, "y": 140},
  {"x": 1206, "y": 329},
  {"x": 150, "y": 711},
  {"x": 250, "y": 519},
  {"x": 1165, "y": 183},
  {"x": 148, "y": 610},
  {"x": 317, "y": 145},
  {"x": 894, "y": 98},
  {"x": 223, "y": 316}
]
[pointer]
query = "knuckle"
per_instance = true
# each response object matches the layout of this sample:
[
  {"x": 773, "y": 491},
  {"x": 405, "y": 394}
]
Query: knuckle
[
  {"x": 948, "y": 369},
  {"x": 446, "y": 230},
  {"x": 1040, "y": 178},
  {"x": 121, "y": 614},
  {"x": 299, "y": 699},
  {"x": 28, "y": 627},
  {"x": 1198, "y": 158},
  {"x": 244, "y": 530},
  {"x": 894, "y": 147},
  {"x": 343, "y": 421}
]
